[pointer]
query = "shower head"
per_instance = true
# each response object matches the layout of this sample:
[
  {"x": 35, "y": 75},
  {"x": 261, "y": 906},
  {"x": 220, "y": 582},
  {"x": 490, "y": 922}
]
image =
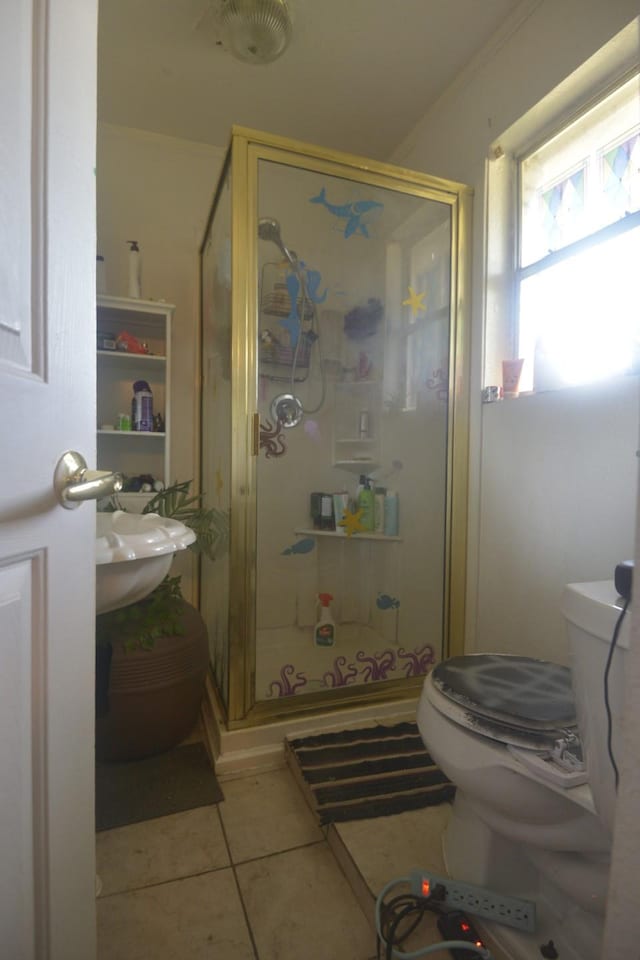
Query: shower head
[{"x": 270, "y": 230}]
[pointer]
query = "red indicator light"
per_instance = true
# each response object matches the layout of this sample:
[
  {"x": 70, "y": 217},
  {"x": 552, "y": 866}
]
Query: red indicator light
[
  {"x": 465, "y": 927},
  {"x": 426, "y": 888}
]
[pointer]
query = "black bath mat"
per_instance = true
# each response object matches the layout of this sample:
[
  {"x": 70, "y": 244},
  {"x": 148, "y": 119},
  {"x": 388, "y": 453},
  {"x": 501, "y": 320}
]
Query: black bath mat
[
  {"x": 374, "y": 772},
  {"x": 136, "y": 790}
]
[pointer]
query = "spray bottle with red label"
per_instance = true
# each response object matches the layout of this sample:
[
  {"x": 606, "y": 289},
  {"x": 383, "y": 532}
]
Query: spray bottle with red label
[{"x": 324, "y": 634}]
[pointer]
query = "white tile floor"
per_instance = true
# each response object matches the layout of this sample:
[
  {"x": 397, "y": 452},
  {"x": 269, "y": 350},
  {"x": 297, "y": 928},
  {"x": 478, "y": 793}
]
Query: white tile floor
[{"x": 255, "y": 878}]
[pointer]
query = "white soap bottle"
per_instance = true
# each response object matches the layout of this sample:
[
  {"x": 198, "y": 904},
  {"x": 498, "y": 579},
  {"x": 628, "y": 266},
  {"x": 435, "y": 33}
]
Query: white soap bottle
[{"x": 135, "y": 270}]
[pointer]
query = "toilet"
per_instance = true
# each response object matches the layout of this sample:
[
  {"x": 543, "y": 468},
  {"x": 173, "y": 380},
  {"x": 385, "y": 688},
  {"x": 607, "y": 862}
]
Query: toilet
[{"x": 525, "y": 742}]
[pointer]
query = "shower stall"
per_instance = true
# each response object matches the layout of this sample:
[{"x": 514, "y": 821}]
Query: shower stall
[{"x": 334, "y": 427}]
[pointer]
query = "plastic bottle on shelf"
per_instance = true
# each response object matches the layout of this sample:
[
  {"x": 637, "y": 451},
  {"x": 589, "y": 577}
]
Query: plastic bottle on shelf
[
  {"x": 135, "y": 270},
  {"x": 378, "y": 509},
  {"x": 142, "y": 407},
  {"x": 366, "y": 504},
  {"x": 391, "y": 511},
  {"x": 101, "y": 274},
  {"x": 324, "y": 634}
]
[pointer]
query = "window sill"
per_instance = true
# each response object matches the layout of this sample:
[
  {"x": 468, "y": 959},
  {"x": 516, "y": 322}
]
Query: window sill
[{"x": 603, "y": 386}]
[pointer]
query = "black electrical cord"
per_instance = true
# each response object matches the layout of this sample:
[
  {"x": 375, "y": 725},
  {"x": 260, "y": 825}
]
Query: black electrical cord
[
  {"x": 397, "y": 910},
  {"x": 607, "y": 704}
]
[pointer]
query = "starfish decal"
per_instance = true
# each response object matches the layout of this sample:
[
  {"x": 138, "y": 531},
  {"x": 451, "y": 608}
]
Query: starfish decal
[
  {"x": 415, "y": 301},
  {"x": 351, "y": 522}
]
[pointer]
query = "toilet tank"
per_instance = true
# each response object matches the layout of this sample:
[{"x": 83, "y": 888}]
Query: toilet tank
[{"x": 592, "y": 611}]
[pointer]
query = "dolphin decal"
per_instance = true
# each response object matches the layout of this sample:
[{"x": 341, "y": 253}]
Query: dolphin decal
[{"x": 351, "y": 212}]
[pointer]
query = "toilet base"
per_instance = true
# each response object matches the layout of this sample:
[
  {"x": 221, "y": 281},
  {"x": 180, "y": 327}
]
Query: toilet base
[{"x": 475, "y": 854}]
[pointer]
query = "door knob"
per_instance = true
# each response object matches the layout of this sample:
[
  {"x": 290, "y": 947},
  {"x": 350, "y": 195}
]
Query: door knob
[{"x": 73, "y": 482}]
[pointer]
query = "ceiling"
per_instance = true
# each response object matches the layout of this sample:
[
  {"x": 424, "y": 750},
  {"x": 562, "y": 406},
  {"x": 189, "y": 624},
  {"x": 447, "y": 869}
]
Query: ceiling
[{"x": 357, "y": 76}]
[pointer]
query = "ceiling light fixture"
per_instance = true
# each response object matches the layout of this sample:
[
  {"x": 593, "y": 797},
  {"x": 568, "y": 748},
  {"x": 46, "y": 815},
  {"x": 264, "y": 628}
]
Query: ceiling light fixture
[{"x": 257, "y": 31}]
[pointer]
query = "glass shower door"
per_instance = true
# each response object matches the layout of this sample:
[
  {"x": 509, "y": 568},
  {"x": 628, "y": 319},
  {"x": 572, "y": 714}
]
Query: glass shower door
[{"x": 354, "y": 332}]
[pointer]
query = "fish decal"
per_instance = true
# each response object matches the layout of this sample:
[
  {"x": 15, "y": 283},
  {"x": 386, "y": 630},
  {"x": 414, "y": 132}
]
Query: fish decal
[
  {"x": 385, "y": 602},
  {"x": 352, "y": 212},
  {"x": 305, "y": 545}
]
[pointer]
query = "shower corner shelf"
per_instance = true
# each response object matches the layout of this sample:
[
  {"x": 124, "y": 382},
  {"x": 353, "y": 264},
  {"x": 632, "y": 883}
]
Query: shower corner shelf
[
  {"x": 312, "y": 532},
  {"x": 357, "y": 466},
  {"x": 355, "y": 400}
]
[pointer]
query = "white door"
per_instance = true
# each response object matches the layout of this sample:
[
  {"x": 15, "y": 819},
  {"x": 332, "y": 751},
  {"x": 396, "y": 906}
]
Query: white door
[{"x": 47, "y": 406}]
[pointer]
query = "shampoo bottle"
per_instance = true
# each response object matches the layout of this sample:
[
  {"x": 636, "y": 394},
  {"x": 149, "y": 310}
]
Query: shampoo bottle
[
  {"x": 135, "y": 270},
  {"x": 324, "y": 634},
  {"x": 366, "y": 504},
  {"x": 378, "y": 509},
  {"x": 391, "y": 519}
]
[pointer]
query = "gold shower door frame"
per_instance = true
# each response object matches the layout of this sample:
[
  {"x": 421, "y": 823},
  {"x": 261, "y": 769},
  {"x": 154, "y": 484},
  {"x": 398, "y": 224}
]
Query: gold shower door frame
[{"x": 247, "y": 149}]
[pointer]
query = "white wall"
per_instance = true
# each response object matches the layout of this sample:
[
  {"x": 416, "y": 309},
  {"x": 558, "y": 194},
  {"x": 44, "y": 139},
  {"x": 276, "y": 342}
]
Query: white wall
[
  {"x": 557, "y": 505},
  {"x": 552, "y": 476},
  {"x": 158, "y": 190}
]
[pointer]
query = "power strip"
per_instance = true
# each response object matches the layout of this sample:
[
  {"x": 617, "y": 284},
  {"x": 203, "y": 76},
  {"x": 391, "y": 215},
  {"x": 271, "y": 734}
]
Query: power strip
[{"x": 511, "y": 911}]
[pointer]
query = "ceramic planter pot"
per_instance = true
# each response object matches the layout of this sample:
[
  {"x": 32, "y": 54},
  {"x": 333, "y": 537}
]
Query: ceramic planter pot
[{"x": 152, "y": 696}]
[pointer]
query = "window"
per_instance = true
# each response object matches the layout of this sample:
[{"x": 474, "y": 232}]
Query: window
[{"x": 576, "y": 279}]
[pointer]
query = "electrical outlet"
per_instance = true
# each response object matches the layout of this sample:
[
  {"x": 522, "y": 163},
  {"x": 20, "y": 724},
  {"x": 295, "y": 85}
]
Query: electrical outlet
[{"x": 511, "y": 911}]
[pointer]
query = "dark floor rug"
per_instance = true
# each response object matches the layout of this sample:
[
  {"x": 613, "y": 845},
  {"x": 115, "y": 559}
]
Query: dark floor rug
[
  {"x": 170, "y": 782},
  {"x": 374, "y": 772}
]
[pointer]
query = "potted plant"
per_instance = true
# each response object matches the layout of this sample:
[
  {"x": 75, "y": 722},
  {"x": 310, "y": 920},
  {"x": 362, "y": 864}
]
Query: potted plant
[{"x": 152, "y": 656}]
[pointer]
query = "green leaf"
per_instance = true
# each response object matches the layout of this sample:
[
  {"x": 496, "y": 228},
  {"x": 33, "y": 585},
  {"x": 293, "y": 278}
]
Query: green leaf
[{"x": 160, "y": 613}]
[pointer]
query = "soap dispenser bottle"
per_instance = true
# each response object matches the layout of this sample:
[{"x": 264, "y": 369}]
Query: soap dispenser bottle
[{"x": 324, "y": 634}]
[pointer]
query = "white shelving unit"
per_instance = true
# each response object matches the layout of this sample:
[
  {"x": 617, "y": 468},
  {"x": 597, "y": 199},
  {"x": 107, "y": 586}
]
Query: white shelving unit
[{"x": 130, "y": 452}]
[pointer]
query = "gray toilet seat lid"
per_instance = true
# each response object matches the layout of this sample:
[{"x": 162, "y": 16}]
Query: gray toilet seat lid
[{"x": 521, "y": 692}]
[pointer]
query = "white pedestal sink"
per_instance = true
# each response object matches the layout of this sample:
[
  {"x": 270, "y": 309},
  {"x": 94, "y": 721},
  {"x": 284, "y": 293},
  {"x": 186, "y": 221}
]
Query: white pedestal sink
[{"x": 133, "y": 555}]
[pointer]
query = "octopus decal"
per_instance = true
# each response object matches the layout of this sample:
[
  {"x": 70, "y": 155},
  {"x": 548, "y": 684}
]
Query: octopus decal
[{"x": 272, "y": 439}]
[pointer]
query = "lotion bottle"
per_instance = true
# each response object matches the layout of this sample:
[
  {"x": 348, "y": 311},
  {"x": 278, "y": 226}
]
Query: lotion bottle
[
  {"x": 324, "y": 634},
  {"x": 378, "y": 509},
  {"x": 366, "y": 504},
  {"x": 135, "y": 270}
]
